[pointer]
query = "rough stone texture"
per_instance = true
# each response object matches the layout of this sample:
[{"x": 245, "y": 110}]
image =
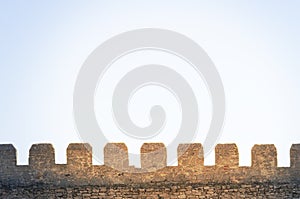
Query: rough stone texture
[
  {"x": 153, "y": 156},
  {"x": 190, "y": 155},
  {"x": 79, "y": 156},
  {"x": 158, "y": 191},
  {"x": 295, "y": 157},
  {"x": 227, "y": 156},
  {"x": 116, "y": 156},
  {"x": 264, "y": 158},
  {"x": 80, "y": 179},
  {"x": 41, "y": 156},
  {"x": 7, "y": 156}
]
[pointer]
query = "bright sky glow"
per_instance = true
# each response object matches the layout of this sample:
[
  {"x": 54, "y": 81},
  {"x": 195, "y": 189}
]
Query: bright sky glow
[{"x": 255, "y": 46}]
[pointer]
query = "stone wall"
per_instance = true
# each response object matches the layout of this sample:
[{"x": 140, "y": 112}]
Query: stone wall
[
  {"x": 79, "y": 178},
  {"x": 158, "y": 191}
]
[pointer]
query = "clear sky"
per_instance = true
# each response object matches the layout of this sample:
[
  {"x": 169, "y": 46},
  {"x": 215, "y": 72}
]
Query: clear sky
[{"x": 255, "y": 46}]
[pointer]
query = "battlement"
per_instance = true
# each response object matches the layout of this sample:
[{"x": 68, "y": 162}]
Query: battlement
[
  {"x": 8, "y": 156},
  {"x": 116, "y": 169},
  {"x": 41, "y": 156}
]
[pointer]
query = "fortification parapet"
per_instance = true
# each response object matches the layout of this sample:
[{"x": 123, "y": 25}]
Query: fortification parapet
[
  {"x": 80, "y": 170},
  {"x": 8, "y": 157},
  {"x": 79, "y": 156},
  {"x": 295, "y": 156},
  {"x": 116, "y": 156},
  {"x": 264, "y": 158},
  {"x": 41, "y": 156},
  {"x": 79, "y": 177},
  {"x": 190, "y": 156},
  {"x": 226, "y": 156},
  {"x": 153, "y": 156}
]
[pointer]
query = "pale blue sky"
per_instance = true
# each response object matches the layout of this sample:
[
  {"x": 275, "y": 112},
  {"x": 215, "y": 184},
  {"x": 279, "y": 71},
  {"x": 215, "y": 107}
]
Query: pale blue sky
[{"x": 255, "y": 46}]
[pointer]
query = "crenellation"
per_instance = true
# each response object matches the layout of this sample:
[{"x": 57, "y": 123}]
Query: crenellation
[
  {"x": 153, "y": 156},
  {"x": 264, "y": 158},
  {"x": 226, "y": 156},
  {"x": 295, "y": 156},
  {"x": 116, "y": 156},
  {"x": 190, "y": 155},
  {"x": 79, "y": 169},
  {"x": 8, "y": 157},
  {"x": 41, "y": 156},
  {"x": 79, "y": 156}
]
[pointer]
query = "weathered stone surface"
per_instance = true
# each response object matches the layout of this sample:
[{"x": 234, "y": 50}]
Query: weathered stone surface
[
  {"x": 116, "y": 156},
  {"x": 227, "y": 156},
  {"x": 264, "y": 156},
  {"x": 295, "y": 156},
  {"x": 79, "y": 155},
  {"x": 42, "y": 178},
  {"x": 158, "y": 191},
  {"x": 153, "y": 156},
  {"x": 41, "y": 156},
  {"x": 190, "y": 155},
  {"x": 7, "y": 155}
]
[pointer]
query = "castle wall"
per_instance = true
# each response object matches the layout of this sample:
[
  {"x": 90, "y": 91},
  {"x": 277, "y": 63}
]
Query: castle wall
[{"x": 190, "y": 178}]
